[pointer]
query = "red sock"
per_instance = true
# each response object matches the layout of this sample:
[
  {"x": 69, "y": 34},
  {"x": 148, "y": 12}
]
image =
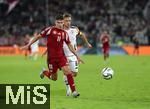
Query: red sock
[
  {"x": 47, "y": 73},
  {"x": 71, "y": 82}
]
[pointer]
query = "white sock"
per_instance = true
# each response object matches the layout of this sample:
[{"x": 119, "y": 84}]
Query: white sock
[{"x": 66, "y": 82}]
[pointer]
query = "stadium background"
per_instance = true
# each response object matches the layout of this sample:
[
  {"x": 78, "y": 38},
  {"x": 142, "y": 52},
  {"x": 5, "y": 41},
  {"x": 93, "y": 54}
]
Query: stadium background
[{"x": 123, "y": 19}]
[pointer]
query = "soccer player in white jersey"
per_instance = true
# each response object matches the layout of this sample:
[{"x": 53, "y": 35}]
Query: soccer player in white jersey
[
  {"x": 34, "y": 49},
  {"x": 73, "y": 33}
]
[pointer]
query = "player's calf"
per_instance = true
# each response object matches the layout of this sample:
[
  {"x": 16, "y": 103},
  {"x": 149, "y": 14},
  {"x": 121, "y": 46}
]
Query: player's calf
[
  {"x": 48, "y": 74},
  {"x": 66, "y": 70},
  {"x": 68, "y": 90},
  {"x": 70, "y": 79}
]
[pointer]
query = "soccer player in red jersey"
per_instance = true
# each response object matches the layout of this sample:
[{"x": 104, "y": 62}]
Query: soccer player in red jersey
[
  {"x": 73, "y": 33},
  {"x": 56, "y": 58},
  {"x": 136, "y": 46},
  {"x": 27, "y": 51},
  {"x": 105, "y": 38}
]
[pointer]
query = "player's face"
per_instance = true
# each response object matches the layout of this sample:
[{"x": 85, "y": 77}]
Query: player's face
[
  {"x": 59, "y": 23},
  {"x": 67, "y": 21}
]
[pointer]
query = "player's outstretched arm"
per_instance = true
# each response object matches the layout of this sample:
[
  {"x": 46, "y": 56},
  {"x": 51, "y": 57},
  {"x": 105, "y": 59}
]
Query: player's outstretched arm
[
  {"x": 85, "y": 39},
  {"x": 74, "y": 52},
  {"x": 31, "y": 42}
]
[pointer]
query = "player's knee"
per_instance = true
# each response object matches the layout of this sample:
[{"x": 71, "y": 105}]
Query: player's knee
[
  {"x": 74, "y": 74},
  {"x": 66, "y": 71}
]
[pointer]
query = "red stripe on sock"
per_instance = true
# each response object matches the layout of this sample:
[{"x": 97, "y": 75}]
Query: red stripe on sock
[{"x": 71, "y": 82}]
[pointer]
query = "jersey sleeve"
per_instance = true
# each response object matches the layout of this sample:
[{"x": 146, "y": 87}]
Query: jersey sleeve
[
  {"x": 45, "y": 32},
  {"x": 67, "y": 40}
]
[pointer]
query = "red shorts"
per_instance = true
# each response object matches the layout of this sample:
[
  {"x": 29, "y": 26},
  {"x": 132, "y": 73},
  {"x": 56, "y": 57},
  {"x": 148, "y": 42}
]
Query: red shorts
[
  {"x": 56, "y": 63},
  {"x": 105, "y": 50}
]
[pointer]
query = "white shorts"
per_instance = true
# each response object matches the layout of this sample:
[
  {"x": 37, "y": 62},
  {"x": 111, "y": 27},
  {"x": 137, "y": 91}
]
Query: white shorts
[
  {"x": 73, "y": 63},
  {"x": 34, "y": 49}
]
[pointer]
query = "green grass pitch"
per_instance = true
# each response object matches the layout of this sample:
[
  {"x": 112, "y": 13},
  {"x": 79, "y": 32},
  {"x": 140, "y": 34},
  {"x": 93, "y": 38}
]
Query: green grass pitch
[{"x": 129, "y": 88}]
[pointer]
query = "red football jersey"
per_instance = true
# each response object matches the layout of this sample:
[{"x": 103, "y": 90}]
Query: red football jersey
[
  {"x": 105, "y": 40},
  {"x": 55, "y": 39}
]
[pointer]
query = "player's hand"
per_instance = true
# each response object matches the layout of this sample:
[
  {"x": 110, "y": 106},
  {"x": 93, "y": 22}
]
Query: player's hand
[
  {"x": 89, "y": 45},
  {"x": 80, "y": 60},
  {"x": 25, "y": 47}
]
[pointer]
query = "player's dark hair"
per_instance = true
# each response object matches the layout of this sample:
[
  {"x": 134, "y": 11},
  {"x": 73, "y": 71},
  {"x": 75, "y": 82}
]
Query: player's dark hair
[
  {"x": 66, "y": 15},
  {"x": 59, "y": 16}
]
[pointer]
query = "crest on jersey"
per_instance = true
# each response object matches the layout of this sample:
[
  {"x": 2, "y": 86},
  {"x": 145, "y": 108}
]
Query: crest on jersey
[{"x": 54, "y": 32}]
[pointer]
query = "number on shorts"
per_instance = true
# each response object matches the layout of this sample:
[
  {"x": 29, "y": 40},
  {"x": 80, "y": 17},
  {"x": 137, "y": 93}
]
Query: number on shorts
[{"x": 50, "y": 67}]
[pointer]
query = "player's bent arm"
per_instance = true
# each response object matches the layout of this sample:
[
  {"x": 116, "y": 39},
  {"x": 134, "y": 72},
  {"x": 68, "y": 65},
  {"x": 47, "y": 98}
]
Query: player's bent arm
[
  {"x": 85, "y": 39},
  {"x": 74, "y": 52}
]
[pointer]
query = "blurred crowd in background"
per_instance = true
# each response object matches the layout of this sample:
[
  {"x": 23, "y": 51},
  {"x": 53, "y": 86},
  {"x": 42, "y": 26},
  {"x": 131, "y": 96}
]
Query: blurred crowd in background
[{"x": 124, "y": 19}]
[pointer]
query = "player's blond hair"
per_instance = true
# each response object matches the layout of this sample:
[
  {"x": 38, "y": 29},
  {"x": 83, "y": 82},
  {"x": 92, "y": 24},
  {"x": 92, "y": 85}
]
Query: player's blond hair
[{"x": 66, "y": 15}]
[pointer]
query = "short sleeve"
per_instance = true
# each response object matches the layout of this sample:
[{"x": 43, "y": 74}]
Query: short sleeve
[{"x": 45, "y": 32}]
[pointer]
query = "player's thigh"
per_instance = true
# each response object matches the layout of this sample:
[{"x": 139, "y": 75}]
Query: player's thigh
[
  {"x": 53, "y": 70},
  {"x": 52, "y": 66},
  {"x": 63, "y": 63},
  {"x": 74, "y": 67},
  {"x": 66, "y": 69},
  {"x": 105, "y": 50}
]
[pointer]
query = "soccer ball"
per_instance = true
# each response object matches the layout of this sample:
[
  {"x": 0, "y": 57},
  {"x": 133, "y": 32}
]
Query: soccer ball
[{"x": 107, "y": 73}]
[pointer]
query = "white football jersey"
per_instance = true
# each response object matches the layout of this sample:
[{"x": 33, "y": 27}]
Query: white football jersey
[
  {"x": 35, "y": 46},
  {"x": 72, "y": 32}
]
